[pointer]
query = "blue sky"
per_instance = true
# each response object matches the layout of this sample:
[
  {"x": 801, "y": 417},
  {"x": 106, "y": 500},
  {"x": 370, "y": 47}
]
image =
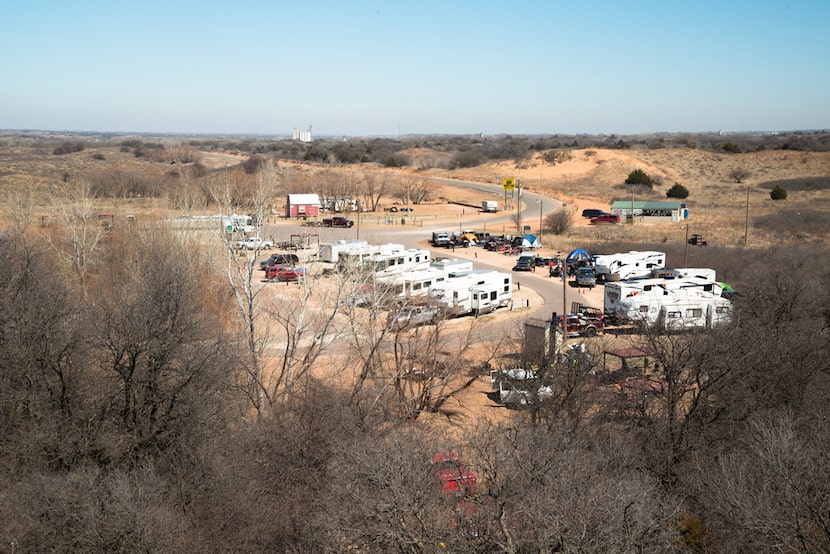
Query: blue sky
[{"x": 384, "y": 68}]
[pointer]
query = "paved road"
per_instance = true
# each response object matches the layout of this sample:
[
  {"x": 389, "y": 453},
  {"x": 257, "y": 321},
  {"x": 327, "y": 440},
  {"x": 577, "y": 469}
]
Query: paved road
[{"x": 551, "y": 290}]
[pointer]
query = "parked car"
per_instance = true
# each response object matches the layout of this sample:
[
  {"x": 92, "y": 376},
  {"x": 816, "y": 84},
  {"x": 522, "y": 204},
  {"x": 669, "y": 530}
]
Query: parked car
[
  {"x": 522, "y": 393},
  {"x": 605, "y": 218},
  {"x": 284, "y": 273},
  {"x": 337, "y": 221},
  {"x": 279, "y": 259},
  {"x": 586, "y": 277},
  {"x": 513, "y": 374},
  {"x": 524, "y": 263},
  {"x": 253, "y": 243},
  {"x": 406, "y": 316},
  {"x": 698, "y": 240},
  {"x": 589, "y": 213},
  {"x": 581, "y": 324},
  {"x": 456, "y": 478}
]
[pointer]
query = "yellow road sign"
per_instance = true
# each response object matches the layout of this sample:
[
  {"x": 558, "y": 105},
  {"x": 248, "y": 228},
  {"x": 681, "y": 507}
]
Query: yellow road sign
[{"x": 509, "y": 183}]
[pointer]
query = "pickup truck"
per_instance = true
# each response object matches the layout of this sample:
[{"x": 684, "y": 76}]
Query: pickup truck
[
  {"x": 698, "y": 240},
  {"x": 605, "y": 218},
  {"x": 337, "y": 221},
  {"x": 581, "y": 324},
  {"x": 253, "y": 243}
]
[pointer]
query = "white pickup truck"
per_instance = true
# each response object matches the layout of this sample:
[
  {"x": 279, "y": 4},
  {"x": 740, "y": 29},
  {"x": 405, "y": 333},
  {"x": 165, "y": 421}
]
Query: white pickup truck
[{"x": 253, "y": 243}]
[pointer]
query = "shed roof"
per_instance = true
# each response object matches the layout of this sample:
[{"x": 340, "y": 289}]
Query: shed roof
[{"x": 313, "y": 199}]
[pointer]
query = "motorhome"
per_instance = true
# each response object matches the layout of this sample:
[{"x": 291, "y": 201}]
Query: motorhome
[
  {"x": 489, "y": 206},
  {"x": 451, "y": 265},
  {"x": 475, "y": 292},
  {"x": 628, "y": 265}
]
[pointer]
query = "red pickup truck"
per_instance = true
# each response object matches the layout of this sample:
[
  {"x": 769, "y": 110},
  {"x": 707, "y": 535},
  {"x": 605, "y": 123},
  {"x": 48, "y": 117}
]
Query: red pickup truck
[
  {"x": 606, "y": 218},
  {"x": 337, "y": 221}
]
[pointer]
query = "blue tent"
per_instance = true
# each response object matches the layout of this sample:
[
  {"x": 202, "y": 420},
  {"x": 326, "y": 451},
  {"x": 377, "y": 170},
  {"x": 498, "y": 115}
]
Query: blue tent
[
  {"x": 579, "y": 255},
  {"x": 527, "y": 241}
]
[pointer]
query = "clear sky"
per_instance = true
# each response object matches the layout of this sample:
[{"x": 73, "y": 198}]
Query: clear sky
[{"x": 355, "y": 67}]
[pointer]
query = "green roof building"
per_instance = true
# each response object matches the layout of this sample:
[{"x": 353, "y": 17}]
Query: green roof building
[{"x": 649, "y": 211}]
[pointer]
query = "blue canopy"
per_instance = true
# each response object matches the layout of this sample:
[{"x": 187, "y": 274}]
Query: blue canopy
[{"x": 578, "y": 255}]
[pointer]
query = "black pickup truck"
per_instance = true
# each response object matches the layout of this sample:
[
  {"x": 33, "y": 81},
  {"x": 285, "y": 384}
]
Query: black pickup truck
[{"x": 337, "y": 221}]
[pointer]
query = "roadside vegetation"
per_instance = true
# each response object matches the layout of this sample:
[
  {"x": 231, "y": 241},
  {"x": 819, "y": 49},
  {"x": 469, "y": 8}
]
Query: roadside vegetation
[{"x": 152, "y": 398}]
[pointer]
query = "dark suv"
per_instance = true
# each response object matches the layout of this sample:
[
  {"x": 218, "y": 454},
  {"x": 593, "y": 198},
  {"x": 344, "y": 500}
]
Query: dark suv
[
  {"x": 279, "y": 259},
  {"x": 588, "y": 214}
]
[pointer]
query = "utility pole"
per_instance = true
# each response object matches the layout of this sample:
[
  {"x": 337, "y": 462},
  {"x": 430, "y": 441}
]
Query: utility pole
[
  {"x": 686, "y": 248},
  {"x": 746, "y": 224},
  {"x": 519, "y": 209}
]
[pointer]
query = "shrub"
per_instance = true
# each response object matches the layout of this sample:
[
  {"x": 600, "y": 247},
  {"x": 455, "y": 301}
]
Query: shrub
[
  {"x": 639, "y": 177},
  {"x": 732, "y": 148},
  {"x": 677, "y": 191},
  {"x": 559, "y": 222},
  {"x": 778, "y": 193},
  {"x": 67, "y": 147}
]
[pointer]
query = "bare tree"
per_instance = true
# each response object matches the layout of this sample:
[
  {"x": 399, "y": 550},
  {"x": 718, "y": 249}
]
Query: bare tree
[
  {"x": 740, "y": 175},
  {"x": 76, "y": 239},
  {"x": 559, "y": 222}
]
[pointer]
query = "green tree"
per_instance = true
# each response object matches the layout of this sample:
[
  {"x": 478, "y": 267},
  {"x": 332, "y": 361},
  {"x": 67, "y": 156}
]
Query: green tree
[
  {"x": 778, "y": 193},
  {"x": 677, "y": 191},
  {"x": 639, "y": 177}
]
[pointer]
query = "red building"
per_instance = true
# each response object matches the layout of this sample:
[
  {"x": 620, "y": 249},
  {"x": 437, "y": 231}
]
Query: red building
[{"x": 302, "y": 205}]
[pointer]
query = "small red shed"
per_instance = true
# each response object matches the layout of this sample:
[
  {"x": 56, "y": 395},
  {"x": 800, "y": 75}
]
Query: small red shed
[{"x": 302, "y": 205}]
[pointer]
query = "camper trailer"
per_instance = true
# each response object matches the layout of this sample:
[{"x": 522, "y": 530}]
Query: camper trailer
[
  {"x": 330, "y": 251},
  {"x": 475, "y": 292},
  {"x": 413, "y": 284},
  {"x": 696, "y": 312},
  {"x": 356, "y": 257},
  {"x": 394, "y": 263},
  {"x": 628, "y": 265},
  {"x": 620, "y": 296},
  {"x": 490, "y": 206},
  {"x": 681, "y": 308}
]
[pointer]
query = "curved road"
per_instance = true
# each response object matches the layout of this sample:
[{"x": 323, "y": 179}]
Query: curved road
[{"x": 551, "y": 290}]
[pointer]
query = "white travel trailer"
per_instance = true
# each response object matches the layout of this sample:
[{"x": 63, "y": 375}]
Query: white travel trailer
[
  {"x": 681, "y": 308},
  {"x": 452, "y": 265},
  {"x": 331, "y": 251},
  {"x": 696, "y": 312},
  {"x": 475, "y": 292},
  {"x": 628, "y": 265},
  {"x": 413, "y": 284},
  {"x": 355, "y": 257},
  {"x": 414, "y": 259},
  {"x": 618, "y": 295}
]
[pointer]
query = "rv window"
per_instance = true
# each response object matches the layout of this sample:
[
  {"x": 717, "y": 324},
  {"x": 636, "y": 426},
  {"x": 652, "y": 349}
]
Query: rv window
[
  {"x": 722, "y": 310},
  {"x": 647, "y": 288},
  {"x": 694, "y": 312},
  {"x": 416, "y": 286},
  {"x": 493, "y": 295},
  {"x": 644, "y": 309},
  {"x": 673, "y": 315},
  {"x": 455, "y": 294}
]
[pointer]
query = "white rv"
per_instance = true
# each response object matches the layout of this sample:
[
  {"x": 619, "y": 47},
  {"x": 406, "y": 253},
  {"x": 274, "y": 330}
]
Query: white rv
[
  {"x": 628, "y": 265},
  {"x": 355, "y": 256},
  {"x": 695, "y": 312},
  {"x": 413, "y": 284},
  {"x": 681, "y": 308},
  {"x": 489, "y": 206},
  {"x": 621, "y": 291},
  {"x": 331, "y": 251},
  {"x": 475, "y": 292},
  {"x": 394, "y": 263}
]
